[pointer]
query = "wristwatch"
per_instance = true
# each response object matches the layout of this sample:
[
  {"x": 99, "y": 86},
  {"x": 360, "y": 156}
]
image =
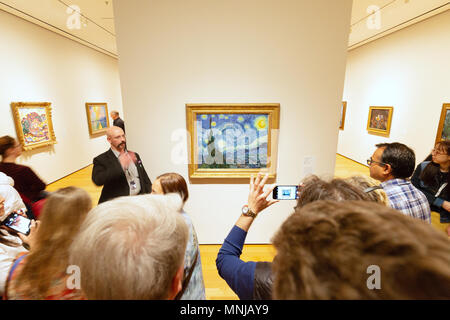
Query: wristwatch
[{"x": 246, "y": 211}]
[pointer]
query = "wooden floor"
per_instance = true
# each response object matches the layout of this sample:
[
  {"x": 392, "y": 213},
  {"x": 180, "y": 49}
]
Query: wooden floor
[{"x": 216, "y": 287}]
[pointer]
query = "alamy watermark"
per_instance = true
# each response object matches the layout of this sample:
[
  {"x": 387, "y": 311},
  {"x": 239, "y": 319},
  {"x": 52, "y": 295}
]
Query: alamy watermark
[
  {"x": 229, "y": 146},
  {"x": 374, "y": 281},
  {"x": 74, "y": 20},
  {"x": 374, "y": 20},
  {"x": 74, "y": 277}
]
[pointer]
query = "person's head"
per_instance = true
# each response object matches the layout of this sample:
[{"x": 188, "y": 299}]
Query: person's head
[
  {"x": 328, "y": 250},
  {"x": 116, "y": 138},
  {"x": 371, "y": 187},
  {"x": 10, "y": 147},
  {"x": 10, "y": 200},
  {"x": 314, "y": 188},
  {"x": 441, "y": 153},
  {"x": 392, "y": 161},
  {"x": 114, "y": 115},
  {"x": 171, "y": 183},
  {"x": 132, "y": 248},
  {"x": 439, "y": 161},
  {"x": 62, "y": 214}
]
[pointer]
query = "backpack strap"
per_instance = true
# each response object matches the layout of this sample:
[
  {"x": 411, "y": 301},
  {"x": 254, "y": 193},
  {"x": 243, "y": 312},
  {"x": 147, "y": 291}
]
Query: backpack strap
[{"x": 186, "y": 280}]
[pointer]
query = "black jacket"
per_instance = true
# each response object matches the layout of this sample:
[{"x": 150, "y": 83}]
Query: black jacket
[
  {"x": 119, "y": 123},
  {"x": 430, "y": 191},
  {"x": 108, "y": 172}
]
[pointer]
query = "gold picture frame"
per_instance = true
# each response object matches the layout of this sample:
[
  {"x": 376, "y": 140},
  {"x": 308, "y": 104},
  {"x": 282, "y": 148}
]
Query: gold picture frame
[
  {"x": 232, "y": 140},
  {"x": 33, "y": 122},
  {"x": 97, "y": 117},
  {"x": 443, "y": 132},
  {"x": 342, "y": 118},
  {"x": 379, "y": 120}
]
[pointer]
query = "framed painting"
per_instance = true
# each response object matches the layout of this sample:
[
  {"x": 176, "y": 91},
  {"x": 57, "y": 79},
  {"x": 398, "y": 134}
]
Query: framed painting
[
  {"x": 342, "y": 117},
  {"x": 379, "y": 121},
  {"x": 443, "y": 132},
  {"x": 232, "y": 140},
  {"x": 97, "y": 115},
  {"x": 34, "y": 126}
]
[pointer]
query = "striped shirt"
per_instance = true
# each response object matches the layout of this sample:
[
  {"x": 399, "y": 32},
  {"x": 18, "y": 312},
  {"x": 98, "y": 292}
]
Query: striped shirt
[{"x": 404, "y": 197}]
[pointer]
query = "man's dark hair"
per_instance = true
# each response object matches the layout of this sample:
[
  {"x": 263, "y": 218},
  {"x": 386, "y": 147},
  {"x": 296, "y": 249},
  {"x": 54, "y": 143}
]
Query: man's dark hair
[{"x": 400, "y": 157}]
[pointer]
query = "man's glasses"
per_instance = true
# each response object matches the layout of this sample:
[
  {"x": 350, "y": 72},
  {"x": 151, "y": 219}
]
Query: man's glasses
[{"x": 370, "y": 161}]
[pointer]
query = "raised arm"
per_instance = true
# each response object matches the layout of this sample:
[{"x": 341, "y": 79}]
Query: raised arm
[{"x": 238, "y": 274}]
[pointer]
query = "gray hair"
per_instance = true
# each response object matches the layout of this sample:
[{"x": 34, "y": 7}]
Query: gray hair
[{"x": 131, "y": 247}]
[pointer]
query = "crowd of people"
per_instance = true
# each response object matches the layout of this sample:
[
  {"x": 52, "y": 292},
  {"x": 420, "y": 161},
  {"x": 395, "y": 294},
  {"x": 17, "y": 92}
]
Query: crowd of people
[{"x": 139, "y": 243}]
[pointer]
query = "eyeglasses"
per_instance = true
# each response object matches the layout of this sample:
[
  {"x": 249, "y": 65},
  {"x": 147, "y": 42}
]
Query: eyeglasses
[
  {"x": 370, "y": 161},
  {"x": 438, "y": 152}
]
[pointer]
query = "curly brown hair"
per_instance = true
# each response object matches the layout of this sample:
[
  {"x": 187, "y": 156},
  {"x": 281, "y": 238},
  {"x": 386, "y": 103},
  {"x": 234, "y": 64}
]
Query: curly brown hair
[{"x": 325, "y": 248}]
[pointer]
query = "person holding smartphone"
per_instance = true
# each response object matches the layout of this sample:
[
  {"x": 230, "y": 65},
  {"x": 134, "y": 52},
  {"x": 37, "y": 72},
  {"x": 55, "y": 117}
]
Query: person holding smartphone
[
  {"x": 253, "y": 280},
  {"x": 42, "y": 273},
  {"x": 10, "y": 247}
]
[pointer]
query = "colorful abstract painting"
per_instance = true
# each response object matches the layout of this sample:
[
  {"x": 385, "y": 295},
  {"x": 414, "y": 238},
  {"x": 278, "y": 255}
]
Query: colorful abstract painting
[
  {"x": 379, "y": 121},
  {"x": 97, "y": 117},
  {"x": 33, "y": 124},
  {"x": 232, "y": 140}
]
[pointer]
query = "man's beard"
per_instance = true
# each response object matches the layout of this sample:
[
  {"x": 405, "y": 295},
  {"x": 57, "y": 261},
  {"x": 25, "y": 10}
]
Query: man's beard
[{"x": 120, "y": 145}]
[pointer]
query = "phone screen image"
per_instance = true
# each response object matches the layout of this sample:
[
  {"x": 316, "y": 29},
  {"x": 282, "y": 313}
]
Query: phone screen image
[
  {"x": 17, "y": 222},
  {"x": 285, "y": 192}
]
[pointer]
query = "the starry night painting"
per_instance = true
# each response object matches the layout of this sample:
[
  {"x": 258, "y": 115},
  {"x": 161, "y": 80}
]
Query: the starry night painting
[{"x": 233, "y": 140}]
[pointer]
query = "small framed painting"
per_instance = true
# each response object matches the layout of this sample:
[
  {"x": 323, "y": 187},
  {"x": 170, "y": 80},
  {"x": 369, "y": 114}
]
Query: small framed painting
[
  {"x": 232, "y": 140},
  {"x": 97, "y": 115},
  {"x": 342, "y": 118},
  {"x": 443, "y": 132},
  {"x": 33, "y": 121},
  {"x": 379, "y": 121}
]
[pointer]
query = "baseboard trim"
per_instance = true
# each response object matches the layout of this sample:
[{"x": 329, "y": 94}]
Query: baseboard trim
[
  {"x": 69, "y": 174},
  {"x": 365, "y": 165}
]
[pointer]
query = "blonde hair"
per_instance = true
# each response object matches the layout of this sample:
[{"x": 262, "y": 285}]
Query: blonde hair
[
  {"x": 131, "y": 247},
  {"x": 365, "y": 182},
  {"x": 61, "y": 217}
]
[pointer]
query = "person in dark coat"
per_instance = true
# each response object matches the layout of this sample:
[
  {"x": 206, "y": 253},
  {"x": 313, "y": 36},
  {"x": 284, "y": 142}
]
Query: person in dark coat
[
  {"x": 117, "y": 121},
  {"x": 118, "y": 170}
]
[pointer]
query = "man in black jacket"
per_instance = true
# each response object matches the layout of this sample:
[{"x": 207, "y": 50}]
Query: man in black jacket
[
  {"x": 119, "y": 171},
  {"x": 117, "y": 121}
]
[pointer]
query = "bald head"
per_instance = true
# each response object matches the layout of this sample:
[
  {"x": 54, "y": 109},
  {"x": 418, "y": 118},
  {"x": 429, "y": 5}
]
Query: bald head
[{"x": 116, "y": 137}]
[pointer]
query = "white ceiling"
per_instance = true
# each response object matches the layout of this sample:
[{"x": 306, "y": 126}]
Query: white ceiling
[{"x": 92, "y": 23}]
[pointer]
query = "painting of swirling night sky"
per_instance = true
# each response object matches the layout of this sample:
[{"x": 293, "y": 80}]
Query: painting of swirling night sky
[{"x": 235, "y": 141}]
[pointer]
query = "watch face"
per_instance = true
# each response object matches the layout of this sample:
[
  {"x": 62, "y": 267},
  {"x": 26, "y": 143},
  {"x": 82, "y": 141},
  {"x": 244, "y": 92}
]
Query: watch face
[{"x": 244, "y": 209}]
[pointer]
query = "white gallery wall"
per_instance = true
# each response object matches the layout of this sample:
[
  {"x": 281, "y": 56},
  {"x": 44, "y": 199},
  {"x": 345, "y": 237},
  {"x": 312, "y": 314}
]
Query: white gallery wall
[
  {"x": 292, "y": 52},
  {"x": 38, "y": 65},
  {"x": 409, "y": 70}
]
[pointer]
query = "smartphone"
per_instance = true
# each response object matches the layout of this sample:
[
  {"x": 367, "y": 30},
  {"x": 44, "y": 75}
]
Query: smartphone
[
  {"x": 18, "y": 222},
  {"x": 285, "y": 193}
]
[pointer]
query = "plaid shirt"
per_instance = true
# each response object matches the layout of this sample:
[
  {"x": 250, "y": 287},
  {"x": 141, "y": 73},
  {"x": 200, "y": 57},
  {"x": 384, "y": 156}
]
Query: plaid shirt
[{"x": 404, "y": 197}]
